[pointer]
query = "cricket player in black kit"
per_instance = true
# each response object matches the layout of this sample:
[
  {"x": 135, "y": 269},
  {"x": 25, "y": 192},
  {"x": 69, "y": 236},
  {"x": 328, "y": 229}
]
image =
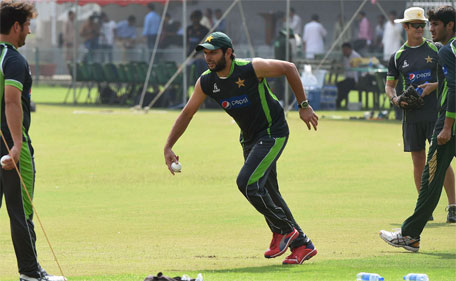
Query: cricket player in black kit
[
  {"x": 15, "y": 87},
  {"x": 416, "y": 63},
  {"x": 443, "y": 146},
  {"x": 240, "y": 88}
]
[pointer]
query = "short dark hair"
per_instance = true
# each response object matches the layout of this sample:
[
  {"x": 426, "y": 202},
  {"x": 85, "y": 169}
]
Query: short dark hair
[
  {"x": 347, "y": 45},
  {"x": 151, "y": 6},
  {"x": 315, "y": 17},
  {"x": 11, "y": 12},
  {"x": 444, "y": 14},
  {"x": 131, "y": 18},
  {"x": 233, "y": 56},
  {"x": 393, "y": 13}
]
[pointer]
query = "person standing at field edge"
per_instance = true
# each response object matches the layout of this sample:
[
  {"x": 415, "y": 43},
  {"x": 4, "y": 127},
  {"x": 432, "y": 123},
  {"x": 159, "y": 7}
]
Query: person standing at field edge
[
  {"x": 443, "y": 145},
  {"x": 16, "y": 82},
  {"x": 240, "y": 88},
  {"x": 417, "y": 62}
]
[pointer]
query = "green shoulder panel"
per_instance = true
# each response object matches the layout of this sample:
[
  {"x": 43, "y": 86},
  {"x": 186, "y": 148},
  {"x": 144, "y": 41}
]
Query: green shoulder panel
[
  {"x": 206, "y": 72},
  {"x": 398, "y": 54},
  {"x": 241, "y": 62},
  {"x": 432, "y": 46}
]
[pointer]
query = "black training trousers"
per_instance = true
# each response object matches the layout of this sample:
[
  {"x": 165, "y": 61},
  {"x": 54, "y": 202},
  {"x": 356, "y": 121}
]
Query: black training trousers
[{"x": 257, "y": 181}]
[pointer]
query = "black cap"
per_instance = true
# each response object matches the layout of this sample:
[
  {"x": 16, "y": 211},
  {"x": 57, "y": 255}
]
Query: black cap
[{"x": 214, "y": 41}]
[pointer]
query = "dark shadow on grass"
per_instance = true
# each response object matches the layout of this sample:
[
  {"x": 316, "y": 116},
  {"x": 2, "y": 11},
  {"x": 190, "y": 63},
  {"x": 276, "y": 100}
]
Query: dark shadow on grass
[
  {"x": 445, "y": 256},
  {"x": 259, "y": 269},
  {"x": 428, "y": 225}
]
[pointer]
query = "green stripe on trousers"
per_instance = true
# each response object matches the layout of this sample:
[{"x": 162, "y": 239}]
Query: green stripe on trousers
[
  {"x": 267, "y": 161},
  {"x": 27, "y": 173}
]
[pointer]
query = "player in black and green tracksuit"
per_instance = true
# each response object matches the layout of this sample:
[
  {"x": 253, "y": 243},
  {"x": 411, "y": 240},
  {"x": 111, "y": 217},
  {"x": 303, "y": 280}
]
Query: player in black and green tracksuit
[
  {"x": 240, "y": 88},
  {"x": 440, "y": 155},
  {"x": 416, "y": 66},
  {"x": 14, "y": 71},
  {"x": 264, "y": 133}
]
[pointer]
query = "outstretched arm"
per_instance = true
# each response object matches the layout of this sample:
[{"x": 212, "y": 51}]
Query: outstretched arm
[
  {"x": 274, "y": 68},
  {"x": 181, "y": 124}
]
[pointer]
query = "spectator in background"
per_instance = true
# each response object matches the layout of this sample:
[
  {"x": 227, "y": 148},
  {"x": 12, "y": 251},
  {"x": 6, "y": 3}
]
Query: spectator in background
[
  {"x": 392, "y": 36},
  {"x": 339, "y": 26},
  {"x": 151, "y": 25},
  {"x": 313, "y": 38},
  {"x": 169, "y": 34},
  {"x": 106, "y": 37},
  {"x": 125, "y": 34},
  {"x": 379, "y": 30},
  {"x": 90, "y": 32},
  {"x": 207, "y": 19},
  {"x": 68, "y": 36},
  {"x": 222, "y": 26},
  {"x": 295, "y": 22},
  {"x": 195, "y": 34},
  {"x": 351, "y": 77},
  {"x": 365, "y": 36}
]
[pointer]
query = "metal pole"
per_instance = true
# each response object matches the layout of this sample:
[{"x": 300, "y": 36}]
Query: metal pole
[
  {"x": 287, "y": 52},
  {"x": 184, "y": 52},
  {"x": 152, "y": 57},
  {"x": 189, "y": 57},
  {"x": 246, "y": 30},
  {"x": 337, "y": 41},
  {"x": 75, "y": 49}
]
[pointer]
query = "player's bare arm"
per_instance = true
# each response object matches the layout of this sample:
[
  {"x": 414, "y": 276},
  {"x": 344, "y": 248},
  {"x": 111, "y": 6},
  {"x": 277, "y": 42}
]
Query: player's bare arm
[
  {"x": 13, "y": 112},
  {"x": 274, "y": 68},
  {"x": 181, "y": 124},
  {"x": 445, "y": 134},
  {"x": 390, "y": 89}
]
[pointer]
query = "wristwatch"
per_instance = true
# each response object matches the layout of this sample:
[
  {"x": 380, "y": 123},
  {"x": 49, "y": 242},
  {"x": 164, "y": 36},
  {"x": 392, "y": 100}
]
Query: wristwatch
[{"x": 303, "y": 104}]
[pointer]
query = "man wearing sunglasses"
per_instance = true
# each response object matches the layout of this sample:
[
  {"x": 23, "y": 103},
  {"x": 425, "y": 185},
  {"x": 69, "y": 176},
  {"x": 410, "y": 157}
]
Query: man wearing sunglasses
[
  {"x": 417, "y": 63},
  {"x": 442, "y": 148}
]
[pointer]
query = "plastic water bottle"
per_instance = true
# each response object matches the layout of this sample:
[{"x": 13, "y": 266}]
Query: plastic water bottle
[
  {"x": 364, "y": 276},
  {"x": 416, "y": 277},
  {"x": 420, "y": 90}
]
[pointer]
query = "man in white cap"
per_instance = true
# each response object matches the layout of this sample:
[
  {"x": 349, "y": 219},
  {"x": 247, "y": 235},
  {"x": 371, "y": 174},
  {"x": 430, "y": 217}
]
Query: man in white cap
[{"x": 417, "y": 62}]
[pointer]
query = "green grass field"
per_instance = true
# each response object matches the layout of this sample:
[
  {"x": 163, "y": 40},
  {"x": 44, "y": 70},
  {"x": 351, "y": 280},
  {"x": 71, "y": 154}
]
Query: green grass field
[{"x": 113, "y": 211}]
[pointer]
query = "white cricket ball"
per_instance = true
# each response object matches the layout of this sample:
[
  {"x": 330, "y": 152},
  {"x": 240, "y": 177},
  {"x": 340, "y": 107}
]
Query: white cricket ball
[
  {"x": 176, "y": 167},
  {"x": 4, "y": 158}
]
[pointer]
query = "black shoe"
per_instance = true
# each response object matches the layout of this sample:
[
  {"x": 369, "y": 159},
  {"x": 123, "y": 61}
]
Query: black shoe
[{"x": 451, "y": 218}]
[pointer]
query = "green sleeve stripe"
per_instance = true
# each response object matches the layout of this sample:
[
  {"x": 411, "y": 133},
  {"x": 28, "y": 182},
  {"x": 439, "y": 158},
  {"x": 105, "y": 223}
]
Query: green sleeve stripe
[
  {"x": 390, "y": 78},
  {"x": 444, "y": 93},
  {"x": 270, "y": 92},
  {"x": 264, "y": 103},
  {"x": 267, "y": 161},
  {"x": 451, "y": 115},
  {"x": 14, "y": 83}
]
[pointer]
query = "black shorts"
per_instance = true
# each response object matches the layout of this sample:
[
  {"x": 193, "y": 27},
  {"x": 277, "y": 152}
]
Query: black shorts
[{"x": 416, "y": 134}]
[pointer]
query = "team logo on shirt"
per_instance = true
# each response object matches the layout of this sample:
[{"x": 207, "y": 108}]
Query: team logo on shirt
[
  {"x": 445, "y": 70},
  {"x": 240, "y": 82},
  {"x": 216, "y": 89},
  {"x": 428, "y": 59},
  {"x": 420, "y": 76},
  {"x": 405, "y": 64},
  {"x": 235, "y": 102}
]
